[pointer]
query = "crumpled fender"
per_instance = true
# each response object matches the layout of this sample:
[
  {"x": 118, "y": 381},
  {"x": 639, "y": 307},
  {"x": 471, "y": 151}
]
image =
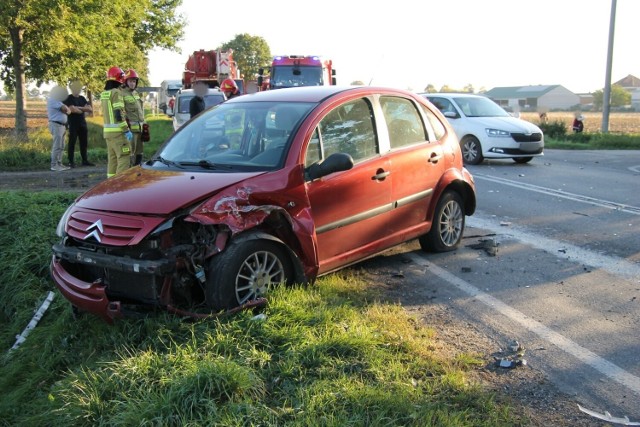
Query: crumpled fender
[
  {"x": 234, "y": 210},
  {"x": 460, "y": 181}
]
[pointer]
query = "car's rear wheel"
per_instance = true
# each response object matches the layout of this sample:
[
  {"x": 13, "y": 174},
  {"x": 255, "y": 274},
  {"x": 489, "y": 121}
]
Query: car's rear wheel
[
  {"x": 448, "y": 225},
  {"x": 522, "y": 160},
  {"x": 471, "y": 150},
  {"x": 245, "y": 271}
]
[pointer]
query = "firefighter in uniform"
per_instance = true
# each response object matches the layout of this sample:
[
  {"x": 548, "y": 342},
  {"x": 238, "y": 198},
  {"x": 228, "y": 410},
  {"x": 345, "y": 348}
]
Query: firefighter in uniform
[
  {"x": 135, "y": 114},
  {"x": 116, "y": 131}
]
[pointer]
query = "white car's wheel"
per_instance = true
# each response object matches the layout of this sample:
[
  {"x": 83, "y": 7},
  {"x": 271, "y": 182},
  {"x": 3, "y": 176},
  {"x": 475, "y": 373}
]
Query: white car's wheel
[{"x": 471, "y": 150}]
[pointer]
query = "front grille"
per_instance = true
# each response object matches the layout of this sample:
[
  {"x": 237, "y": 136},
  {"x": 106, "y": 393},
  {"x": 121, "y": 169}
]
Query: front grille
[
  {"x": 523, "y": 137},
  {"x": 106, "y": 229},
  {"x": 514, "y": 151}
]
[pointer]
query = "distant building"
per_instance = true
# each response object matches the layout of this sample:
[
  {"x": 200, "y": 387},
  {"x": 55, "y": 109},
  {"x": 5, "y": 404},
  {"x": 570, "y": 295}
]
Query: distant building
[
  {"x": 629, "y": 83},
  {"x": 632, "y": 85},
  {"x": 534, "y": 98}
]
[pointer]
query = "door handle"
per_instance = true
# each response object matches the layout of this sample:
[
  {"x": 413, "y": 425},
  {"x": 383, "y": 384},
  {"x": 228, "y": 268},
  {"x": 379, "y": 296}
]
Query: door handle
[
  {"x": 435, "y": 158},
  {"x": 380, "y": 175}
]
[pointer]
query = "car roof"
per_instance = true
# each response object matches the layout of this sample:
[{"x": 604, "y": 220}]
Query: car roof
[
  {"x": 313, "y": 94},
  {"x": 191, "y": 92},
  {"x": 453, "y": 94}
]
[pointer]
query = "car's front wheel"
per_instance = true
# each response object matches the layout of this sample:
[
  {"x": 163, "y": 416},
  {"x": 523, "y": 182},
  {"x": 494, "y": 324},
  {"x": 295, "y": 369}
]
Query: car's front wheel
[
  {"x": 245, "y": 271},
  {"x": 522, "y": 160},
  {"x": 447, "y": 226},
  {"x": 471, "y": 150}
]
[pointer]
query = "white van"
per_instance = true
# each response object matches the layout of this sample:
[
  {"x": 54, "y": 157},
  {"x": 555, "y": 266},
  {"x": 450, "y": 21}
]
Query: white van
[
  {"x": 168, "y": 89},
  {"x": 181, "y": 107}
]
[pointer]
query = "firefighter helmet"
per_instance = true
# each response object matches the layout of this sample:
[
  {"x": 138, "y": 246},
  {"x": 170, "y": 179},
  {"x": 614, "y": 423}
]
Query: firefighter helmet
[
  {"x": 115, "y": 73},
  {"x": 131, "y": 74},
  {"x": 228, "y": 85}
]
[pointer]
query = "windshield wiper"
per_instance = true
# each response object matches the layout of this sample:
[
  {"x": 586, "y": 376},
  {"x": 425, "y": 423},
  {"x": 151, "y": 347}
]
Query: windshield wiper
[
  {"x": 205, "y": 164},
  {"x": 166, "y": 162}
]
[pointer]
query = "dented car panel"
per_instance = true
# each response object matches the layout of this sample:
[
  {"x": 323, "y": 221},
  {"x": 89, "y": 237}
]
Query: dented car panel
[{"x": 277, "y": 187}]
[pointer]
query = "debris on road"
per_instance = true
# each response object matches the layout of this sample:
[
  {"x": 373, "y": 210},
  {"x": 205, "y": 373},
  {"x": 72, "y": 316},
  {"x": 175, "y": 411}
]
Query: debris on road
[
  {"x": 490, "y": 246},
  {"x": 513, "y": 360},
  {"x": 608, "y": 417},
  {"x": 34, "y": 321},
  {"x": 505, "y": 223}
]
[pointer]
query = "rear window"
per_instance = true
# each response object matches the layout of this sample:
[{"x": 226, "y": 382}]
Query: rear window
[{"x": 209, "y": 101}]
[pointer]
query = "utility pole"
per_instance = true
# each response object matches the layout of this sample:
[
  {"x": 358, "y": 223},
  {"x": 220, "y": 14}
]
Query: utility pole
[{"x": 606, "y": 99}]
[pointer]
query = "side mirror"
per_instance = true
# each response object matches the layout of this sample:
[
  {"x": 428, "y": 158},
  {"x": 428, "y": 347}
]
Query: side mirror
[
  {"x": 451, "y": 115},
  {"x": 334, "y": 163}
]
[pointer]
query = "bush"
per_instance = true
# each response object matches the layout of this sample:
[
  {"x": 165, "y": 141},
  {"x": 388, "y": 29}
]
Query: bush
[{"x": 555, "y": 129}]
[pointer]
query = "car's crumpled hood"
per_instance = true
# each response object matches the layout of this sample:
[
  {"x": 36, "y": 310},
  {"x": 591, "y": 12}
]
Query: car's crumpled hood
[
  {"x": 156, "y": 192},
  {"x": 509, "y": 124}
]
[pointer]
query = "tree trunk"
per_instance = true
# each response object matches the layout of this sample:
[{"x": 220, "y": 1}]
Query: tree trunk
[
  {"x": 21, "y": 89},
  {"x": 90, "y": 100}
]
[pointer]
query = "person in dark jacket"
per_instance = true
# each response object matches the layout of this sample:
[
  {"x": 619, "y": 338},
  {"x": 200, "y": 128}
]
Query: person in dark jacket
[
  {"x": 78, "y": 130},
  {"x": 578, "y": 124},
  {"x": 196, "y": 105}
]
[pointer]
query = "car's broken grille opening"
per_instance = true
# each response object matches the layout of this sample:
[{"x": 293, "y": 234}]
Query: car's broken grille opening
[
  {"x": 523, "y": 137},
  {"x": 143, "y": 288}
]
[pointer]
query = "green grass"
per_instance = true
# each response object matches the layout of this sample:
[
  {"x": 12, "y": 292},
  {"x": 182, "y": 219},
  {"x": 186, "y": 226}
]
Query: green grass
[
  {"x": 327, "y": 355},
  {"x": 36, "y": 153}
]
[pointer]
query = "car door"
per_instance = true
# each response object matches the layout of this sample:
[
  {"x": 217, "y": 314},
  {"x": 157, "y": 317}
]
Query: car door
[
  {"x": 416, "y": 165},
  {"x": 351, "y": 208},
  {"x": 455, "y": 117}
]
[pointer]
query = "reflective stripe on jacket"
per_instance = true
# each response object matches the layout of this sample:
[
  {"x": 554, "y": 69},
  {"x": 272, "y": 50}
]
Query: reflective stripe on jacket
[{"x": 113, "y": 112}]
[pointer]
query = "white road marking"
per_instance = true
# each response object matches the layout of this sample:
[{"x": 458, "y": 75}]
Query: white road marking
[
  {"x": 635, "y": 169},
  {"x": 562, "y": 194},
  {"x": 614, "y": 265},
  {"x": 602, "y": 365}
]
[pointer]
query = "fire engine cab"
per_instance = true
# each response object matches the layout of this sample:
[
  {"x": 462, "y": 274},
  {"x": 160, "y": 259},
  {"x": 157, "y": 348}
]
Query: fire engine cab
[{"x": 297, "y": 70}]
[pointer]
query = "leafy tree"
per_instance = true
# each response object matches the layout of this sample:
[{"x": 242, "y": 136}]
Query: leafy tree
[
  {"x": 430, "y": 88},
  {"x": 357, "y": 83},
  {"x": 249, "y": 52},
  {"x": 60, "y": 40},
  {"x": 619, "y": 97},
  {"x": 469, "y": 88}
]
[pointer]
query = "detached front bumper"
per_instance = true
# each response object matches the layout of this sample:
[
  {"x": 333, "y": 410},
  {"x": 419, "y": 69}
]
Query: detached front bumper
[{"x": 92, "y": 295}]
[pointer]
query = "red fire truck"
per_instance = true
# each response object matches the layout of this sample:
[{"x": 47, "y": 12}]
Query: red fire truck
[
  {"x": 211, "y": 67},
  {"x": 297, "y": 70}
]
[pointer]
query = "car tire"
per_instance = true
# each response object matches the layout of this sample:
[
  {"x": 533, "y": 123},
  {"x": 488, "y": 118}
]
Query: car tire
[
  {"x": 522, "y": 160},
  {"x": 471, "y": 150},
  {"x": 245, "y": 271},
  {"x": 447, "y": 226}
]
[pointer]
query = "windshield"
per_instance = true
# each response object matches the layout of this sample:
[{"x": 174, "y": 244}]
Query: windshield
[
  {"x": 289, "y": 76},
  {"x": 247, "y": 136},
  {"x": 479, "y": 107},
  {"x": 209, "y": 101}
]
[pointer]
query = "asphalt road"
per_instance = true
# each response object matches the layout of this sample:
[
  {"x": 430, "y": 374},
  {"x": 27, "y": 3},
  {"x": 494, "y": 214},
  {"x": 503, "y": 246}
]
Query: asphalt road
[{"x": 560, "y": 273}]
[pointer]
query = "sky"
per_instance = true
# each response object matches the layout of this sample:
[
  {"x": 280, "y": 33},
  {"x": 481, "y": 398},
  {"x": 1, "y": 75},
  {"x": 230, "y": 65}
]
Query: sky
[{"x": 409, "y": 44}]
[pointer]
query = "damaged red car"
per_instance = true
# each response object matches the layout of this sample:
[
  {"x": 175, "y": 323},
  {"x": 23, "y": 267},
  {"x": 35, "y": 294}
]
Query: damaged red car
[{"x": 278, "y": 187}]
